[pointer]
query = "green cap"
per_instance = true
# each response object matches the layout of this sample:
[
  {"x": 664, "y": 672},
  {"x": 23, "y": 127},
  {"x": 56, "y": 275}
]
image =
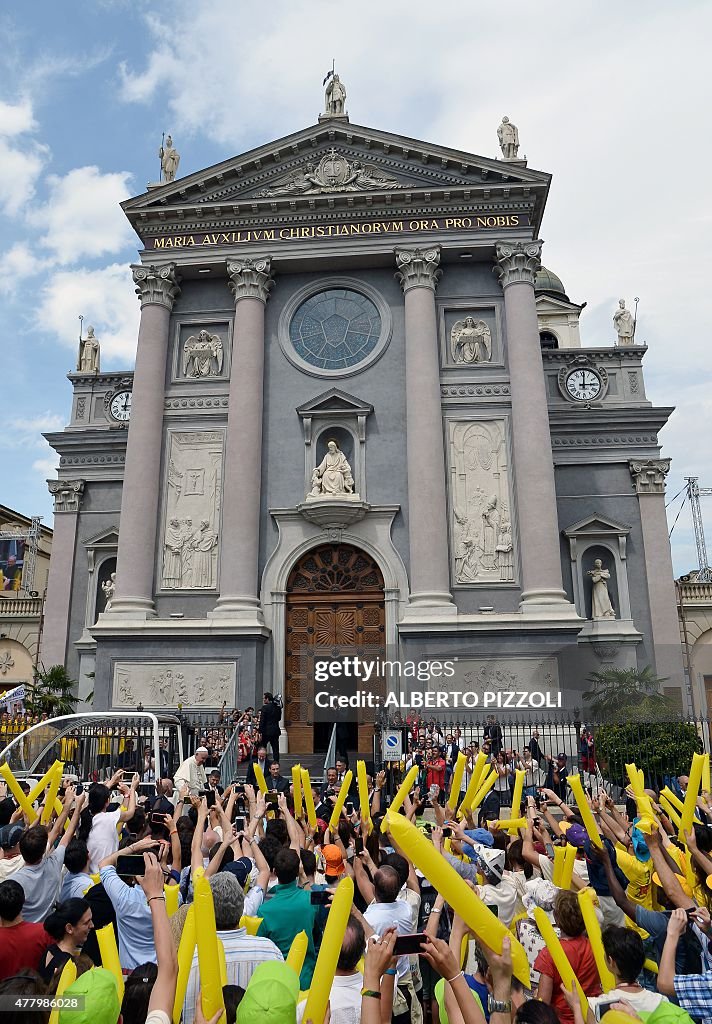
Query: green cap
[
  {"x": 271, "y": 995},
  {"x": 101, "y": 999}
]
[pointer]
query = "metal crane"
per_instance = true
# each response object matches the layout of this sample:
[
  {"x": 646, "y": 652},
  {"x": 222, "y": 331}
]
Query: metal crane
[{"x": 694, "y": 492}]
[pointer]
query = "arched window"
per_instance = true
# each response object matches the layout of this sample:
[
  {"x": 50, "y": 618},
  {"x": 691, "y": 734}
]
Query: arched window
[{"x": 548, "y": 340}]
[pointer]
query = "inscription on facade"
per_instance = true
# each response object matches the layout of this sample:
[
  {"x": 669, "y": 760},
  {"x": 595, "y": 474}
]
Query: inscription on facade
[{"x": 476, "y": 222}]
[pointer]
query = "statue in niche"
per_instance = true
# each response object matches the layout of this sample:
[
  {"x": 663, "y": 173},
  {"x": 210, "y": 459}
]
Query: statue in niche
[
  {"x": 202, "y": 355},
  {"x": 88, "y": 361},
  {"x": 601, "y": 607},
  {"x": 170, "y": 158},
  {"x": 624, "y": 324},
  {"x": 332, "y": 477},
  {"x": 109, "y": 588},
  {"x": 172, "y": 557},
  {"x": 508, "y": 136},
  {"x": 202, "y": 542},
  {"x": 335, "y": 97},
  {"x": 471, "y": 341},
  {"x": 505, "y": 551}
]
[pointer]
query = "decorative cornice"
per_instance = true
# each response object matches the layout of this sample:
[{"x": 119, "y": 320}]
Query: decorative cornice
[
  {"x": 91, "y": 460},
  {"x": 649, "y": 475},
  {"x": 156, "y": 285},
  {"x": 67, "y": 494},
  {"x": 218, "y": 402},
  {"x": 474, "y": 390},
  {"x": 517, "y": 262},
  {"x": 250, "y": 279},
  {"x": 418, "y": 268},
  {"x": 599, "y": 440}
]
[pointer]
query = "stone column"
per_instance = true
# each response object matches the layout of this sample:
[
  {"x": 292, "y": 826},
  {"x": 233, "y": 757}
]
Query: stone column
[
  {"x": 649, "y": 482},
  {"x": 418, "y": 274},
  {"x": 157, "y": 288},
  {"x": 250, "y": 283},
  {"x": 542, "y": 586},
  {"x": 55, "y": 633}
]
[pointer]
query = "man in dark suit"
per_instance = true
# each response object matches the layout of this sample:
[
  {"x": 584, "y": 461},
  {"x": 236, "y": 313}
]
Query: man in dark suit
[
  {"x": 261, "y": 760},
  {"x": 276, "y": 781},
  {"x": 493, "y": 732},
  {"x": 268, "y": 725},
  {"x": 451, "y": 750}
]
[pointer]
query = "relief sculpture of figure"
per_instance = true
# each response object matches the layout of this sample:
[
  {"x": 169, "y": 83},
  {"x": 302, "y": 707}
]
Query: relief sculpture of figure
[
  {"x": 466, "y": 556},
  {"x": 508, "y": 136},
  {"x": 333, "y": 475},
  {"x": 601, "y": 607},
  {"x": 624, "y": 324},
  {"x": 170, "y": 158},
  {"x": 490, "y": 522},
  {"x": 88, "y": 361},
  {"x": 471, "y": 341},
  {"x": 172, "y": 556},
  {"x": 505, "y": 551},
  {"x": 202, "y": 543},
  {"x": 202, "y": 355},
  {"x": 335, "y": 99}
]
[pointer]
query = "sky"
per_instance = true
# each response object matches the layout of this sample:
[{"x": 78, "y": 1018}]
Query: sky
[{"x": 611, "y": 98}]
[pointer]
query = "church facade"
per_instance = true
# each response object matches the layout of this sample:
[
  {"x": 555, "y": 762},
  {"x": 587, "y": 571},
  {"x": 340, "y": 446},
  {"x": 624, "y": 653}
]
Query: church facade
[{"x": 361, "y": 421}]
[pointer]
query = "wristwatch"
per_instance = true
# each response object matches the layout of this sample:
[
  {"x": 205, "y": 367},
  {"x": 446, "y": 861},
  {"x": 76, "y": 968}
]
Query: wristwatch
[{"x": 498, "y": 1005}]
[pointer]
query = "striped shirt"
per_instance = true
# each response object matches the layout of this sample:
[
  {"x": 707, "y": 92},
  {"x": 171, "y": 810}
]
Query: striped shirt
[{"x": 243, "y": 953}]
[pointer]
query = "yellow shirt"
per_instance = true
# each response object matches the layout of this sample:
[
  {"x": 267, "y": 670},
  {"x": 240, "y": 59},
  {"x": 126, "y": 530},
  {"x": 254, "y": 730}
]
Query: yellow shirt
[
  {"x": 640, "y": 882},
  {"x": 104, "y": 744},
  {"x": 68, "y": 748}
]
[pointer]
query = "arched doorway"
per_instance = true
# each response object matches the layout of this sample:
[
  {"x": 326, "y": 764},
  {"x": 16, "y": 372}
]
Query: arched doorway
[{"x": 335, "y": 609}]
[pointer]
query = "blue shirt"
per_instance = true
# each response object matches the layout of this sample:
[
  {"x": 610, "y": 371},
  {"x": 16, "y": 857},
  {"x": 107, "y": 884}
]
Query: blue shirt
[
  {"x": 74, "y": 886},
  {"x": 133, "y": 920}
]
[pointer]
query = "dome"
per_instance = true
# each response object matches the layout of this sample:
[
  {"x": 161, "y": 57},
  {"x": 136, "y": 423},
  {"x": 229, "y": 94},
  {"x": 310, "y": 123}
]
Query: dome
[{"x": 547, "y": 283}]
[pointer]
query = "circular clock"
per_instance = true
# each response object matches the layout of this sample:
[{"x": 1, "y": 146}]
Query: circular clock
[
  {"x": 583, "y": 384},
  {"x": 120, "y": 406}
]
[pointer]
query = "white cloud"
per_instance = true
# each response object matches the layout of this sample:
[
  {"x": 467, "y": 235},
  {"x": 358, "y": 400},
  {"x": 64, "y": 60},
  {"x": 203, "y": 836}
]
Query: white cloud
[
  {"x": 37, "y": 424},
  {"x": 16, "y": 118},
  {"x": 20, "y": 168},
  {"x": 18, "y": 263},
  {"x": 82, "y": 216},
  {"x": 106, "y": 299},
  {"x": 46, "y": 466}
]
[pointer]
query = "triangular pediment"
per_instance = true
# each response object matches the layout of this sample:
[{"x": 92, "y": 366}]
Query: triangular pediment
[
  {"x": 549, "y": 304},
  {"x": 333, "y": 401},
  {"x": 106, "y": 539},
  {"x": 597, "y": 526},
  {"x": 335, "y": 160}
]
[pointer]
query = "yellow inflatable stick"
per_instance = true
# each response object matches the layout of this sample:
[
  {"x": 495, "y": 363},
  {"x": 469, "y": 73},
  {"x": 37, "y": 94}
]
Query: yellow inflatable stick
[
  {"x": 511, "y": 824},
  {"x": 484, "y": 790},
  {"x": 41, "y": 786},
  {"x": 693, "y": 789},
  {"x": 171, "y": 892},
  {"x": 20, "y": 797},
  {"x": 474, "y": 783},
  {"x": 208, "y": 957},
  {"x": 455, "y": 891},
  {"x": 308, "y": 798},
  {"x": 363, "y": 794},
  {"x": 585, "y": 812},
  {"x": 517, "y": 795},
  {"x": 52, "y": 791},
  {"x": 110, "y": 955},
  {"x": 297, "y": 952},
  {"x": 341, "y": 800},
  {"x": 403, "y": 791},
  {"x": 222, "y": 963},
  {"x": 262, "y": 785},
  {"x": 456, "y": 785},
  {"x": 297, "y": 789},
  {"x": 186, "y": 948},
  {"x": 706, "y": 775},
  {"x": 567, "y": 870},
  {"x": 593, "y": 929},
  {"x": 561, "y": 962},
  {"x": 66, "y": 978},
  {"x": 670, "y": 811},
  {"x": 250, "y": 924},
  {"x": 673, "y": 798},
  {"x": 559, "y": 856},
  {"x": 329, "y": 951}
]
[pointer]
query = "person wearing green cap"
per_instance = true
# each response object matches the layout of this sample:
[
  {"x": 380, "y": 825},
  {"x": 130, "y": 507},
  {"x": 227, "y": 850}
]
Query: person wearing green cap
[{"x": 271, "y": 996}]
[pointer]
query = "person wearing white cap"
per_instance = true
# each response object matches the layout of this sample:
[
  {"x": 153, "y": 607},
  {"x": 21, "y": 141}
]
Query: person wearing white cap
[{"x": 192, "y": 772}]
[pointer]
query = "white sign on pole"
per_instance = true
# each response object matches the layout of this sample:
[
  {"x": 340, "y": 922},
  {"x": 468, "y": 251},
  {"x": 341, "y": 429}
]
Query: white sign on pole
[{"x": 392, "y": 745}]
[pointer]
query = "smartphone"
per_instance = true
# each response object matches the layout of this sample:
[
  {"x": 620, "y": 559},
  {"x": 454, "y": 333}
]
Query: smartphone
[
  {"x": 272, "y": 798},
  {"x": 428, "y": 827},
  {"x": 349, "y": 807},
  {"x": 320, "y": 898},
  {"x": 447, "y": 833},
  {"x": 409, "y": 945},
  {"x": 209, "y": 795},
  {"x": 358, "y": 845},
  {"x": 130, "y": 864},
  {"x": 240, "y": 788},
  {"x": 158, "y": 819},
  {"x": 240, "y": 823},
  {"x": 604, "y": 1006}
]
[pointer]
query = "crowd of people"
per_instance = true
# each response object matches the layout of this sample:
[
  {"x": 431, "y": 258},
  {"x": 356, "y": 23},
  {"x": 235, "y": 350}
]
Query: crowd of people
[{"x": 275, "y": 850}]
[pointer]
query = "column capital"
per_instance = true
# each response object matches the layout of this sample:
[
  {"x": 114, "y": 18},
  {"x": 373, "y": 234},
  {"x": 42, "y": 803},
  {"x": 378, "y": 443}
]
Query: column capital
[
  {"x": 67, "y": 494},
  {"x": 157, "y": 285},
  {"x": 250, "y": 279},
  {"x": 418, "y": 268},
  {"x": 517, "y": 262},
  {"x": 649, "y": 475}
]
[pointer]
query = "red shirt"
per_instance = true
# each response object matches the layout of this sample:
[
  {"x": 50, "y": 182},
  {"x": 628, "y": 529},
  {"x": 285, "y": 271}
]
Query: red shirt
[
  {"x": 436, "y": 773},
  {"x": 21, "y": 946},
  {"x": 580, "y": 956}
]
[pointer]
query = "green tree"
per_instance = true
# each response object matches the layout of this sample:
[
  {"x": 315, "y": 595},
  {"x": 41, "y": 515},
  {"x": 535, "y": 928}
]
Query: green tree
[
  {"x": 628, "y": 694},
  {"x": 52, "y": 692}
]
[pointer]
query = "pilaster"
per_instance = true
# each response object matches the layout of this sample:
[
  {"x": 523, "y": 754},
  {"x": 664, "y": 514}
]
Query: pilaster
[{"x": 68, "y": 496}]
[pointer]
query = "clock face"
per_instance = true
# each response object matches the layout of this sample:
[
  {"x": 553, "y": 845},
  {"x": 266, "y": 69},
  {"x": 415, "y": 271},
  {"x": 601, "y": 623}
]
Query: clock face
[
  {"x": 120, "y": 407},
  {"x": 583, "y": 385}
]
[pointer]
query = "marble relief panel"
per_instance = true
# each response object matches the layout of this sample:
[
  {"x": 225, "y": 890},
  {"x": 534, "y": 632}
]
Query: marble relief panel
[
  {"x": 482, "y": 546},
  {"x": 192, "y": 502},
  {"x": 167, "y": 684}
]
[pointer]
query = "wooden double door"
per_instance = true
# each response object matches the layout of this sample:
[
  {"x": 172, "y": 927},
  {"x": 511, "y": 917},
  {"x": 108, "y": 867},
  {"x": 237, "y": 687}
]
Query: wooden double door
[{"x": 335, "y": 610}]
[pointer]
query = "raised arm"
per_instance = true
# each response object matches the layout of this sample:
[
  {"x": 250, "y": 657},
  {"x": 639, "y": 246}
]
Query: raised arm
[
  {"x": 73, "y": 821},
  {"x": 666, "y": 969},
  {"x": 69, "y": 796},
  {"x": 196, "y": 846},
  {"x": 131, "y": 809},
  {"x": 164, "y": 987}
]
